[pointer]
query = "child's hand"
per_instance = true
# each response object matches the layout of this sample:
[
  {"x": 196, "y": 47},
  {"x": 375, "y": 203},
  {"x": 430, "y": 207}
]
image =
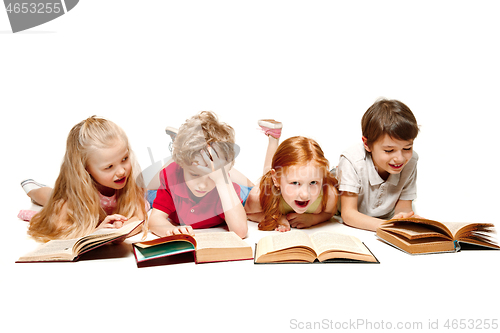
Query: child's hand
[
  {"x": 215, "y": 166},
  {"x": 300, "y": 221},
  {"x": 115, "y": 221},
  {"x": 184, "y": 229},
  {"x": 283, "y": 226},
  {"x": 405, "y": 215}
]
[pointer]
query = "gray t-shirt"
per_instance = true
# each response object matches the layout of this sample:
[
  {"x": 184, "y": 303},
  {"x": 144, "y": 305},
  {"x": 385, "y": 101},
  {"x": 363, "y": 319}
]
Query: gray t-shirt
[{"x": 356, "y": 173}]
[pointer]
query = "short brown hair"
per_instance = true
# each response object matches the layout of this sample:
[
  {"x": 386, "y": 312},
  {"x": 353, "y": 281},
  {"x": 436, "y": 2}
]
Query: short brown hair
[{"x": 390, "y": 117}]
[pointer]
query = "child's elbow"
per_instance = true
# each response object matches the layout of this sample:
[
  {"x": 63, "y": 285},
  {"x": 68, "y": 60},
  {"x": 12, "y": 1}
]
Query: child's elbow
[
  {"x": 241, "y": 231},
  {"x": 347, "y": 219}
]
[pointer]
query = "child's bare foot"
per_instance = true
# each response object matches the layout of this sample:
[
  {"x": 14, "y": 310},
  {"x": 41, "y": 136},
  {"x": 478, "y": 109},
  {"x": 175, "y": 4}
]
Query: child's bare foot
[{"x": 271, "y": 127}]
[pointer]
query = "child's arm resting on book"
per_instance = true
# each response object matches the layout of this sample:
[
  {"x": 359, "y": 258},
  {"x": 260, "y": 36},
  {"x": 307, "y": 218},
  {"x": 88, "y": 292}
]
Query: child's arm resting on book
[
  {"x": 235, "y": 216},
  {"x": 161, "y": 226},
  {"x": 352, "y": 217},
  {"x": 404, "y": 210}
]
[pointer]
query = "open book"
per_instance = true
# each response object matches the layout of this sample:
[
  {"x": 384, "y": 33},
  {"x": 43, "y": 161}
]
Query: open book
[
  {"x": 417, "y": 235},
  {"x": 201, "y": 248},
  {"x": 323, "y": 246},
  {"x": 71, "y": 249}
]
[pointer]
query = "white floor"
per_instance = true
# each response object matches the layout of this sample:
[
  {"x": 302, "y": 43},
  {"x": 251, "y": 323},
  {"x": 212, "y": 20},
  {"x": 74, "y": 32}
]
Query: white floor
[
  {"x": 315, "y": 66},
  {"x": 106, "y": 284}
]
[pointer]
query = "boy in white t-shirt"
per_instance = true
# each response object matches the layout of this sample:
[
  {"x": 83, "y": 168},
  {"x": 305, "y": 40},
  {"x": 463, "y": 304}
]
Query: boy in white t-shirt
[{"x": 377, "y": 178}]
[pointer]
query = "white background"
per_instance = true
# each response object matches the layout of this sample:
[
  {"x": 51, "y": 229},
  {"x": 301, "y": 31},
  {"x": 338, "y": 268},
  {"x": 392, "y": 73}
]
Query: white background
[{"x": 314, "y": 65}]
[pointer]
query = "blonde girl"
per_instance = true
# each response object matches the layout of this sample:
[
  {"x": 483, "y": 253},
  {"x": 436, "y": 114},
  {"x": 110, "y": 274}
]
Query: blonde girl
[
  {"x": 96, "y": 188},
  {"x": 297, "y": 189}
]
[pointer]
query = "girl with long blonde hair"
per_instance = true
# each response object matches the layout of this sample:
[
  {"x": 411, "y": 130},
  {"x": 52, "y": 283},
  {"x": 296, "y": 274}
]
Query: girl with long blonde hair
[
  {"x": 97, "y": 186},
  {"x": 297, "y": 189}
]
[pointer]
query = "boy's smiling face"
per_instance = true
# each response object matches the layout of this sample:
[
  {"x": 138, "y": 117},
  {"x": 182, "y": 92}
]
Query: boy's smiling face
[{"x": 390, "y": 155}]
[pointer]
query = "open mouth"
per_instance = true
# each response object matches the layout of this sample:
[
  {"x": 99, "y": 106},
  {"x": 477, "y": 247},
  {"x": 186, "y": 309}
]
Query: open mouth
[
  {"x": 302, "y": 204},
  {"x": 396, "y": 166},
  {"x": 121, "y": 180}
]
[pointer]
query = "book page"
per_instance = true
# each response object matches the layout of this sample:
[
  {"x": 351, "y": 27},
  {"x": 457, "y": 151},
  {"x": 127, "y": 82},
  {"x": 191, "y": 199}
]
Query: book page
[
  {"x": 291, "y": 238},
  {"x": 291, "y": 246},
  {"x": 455, "y": 227},
  {"x": 414, "y": 231},
  {"x": 325, "y": 240},
  {"x": 166, "y": 239},
  {"x": 483, "y": 234},
  {"x": 283, "y": 240},
  {"x": 416, "y": 246},
  {"x": 221, "y": 246},
  {"x": 396, "y": 222},
  {"x": 104, "y": 232},
  {"x": 53, "y": 250},
  {"x": 101, "y": 235},
  {"x": 219, "y": 240}
]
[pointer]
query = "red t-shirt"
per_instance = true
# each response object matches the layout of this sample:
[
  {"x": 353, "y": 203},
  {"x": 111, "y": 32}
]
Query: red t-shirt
[{"x": 174, "y": 198}]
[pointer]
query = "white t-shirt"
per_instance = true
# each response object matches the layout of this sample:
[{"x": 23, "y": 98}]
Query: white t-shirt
[{"x": 356, "y": 173}]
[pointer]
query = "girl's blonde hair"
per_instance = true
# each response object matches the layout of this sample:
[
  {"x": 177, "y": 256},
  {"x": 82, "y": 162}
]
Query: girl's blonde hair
[
  {"x": 199, "y": 132},
  {"x": 76, "y": 188},
  {"x": 295, "y": 151}
]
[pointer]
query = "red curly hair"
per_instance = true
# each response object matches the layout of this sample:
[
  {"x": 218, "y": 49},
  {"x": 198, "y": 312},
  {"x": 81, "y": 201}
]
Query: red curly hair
[{"x": 295, "y": 151}]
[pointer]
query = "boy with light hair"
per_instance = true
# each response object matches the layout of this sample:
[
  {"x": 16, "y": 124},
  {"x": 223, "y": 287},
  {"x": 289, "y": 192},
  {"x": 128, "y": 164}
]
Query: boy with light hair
[{"x": 195, "y": 189}]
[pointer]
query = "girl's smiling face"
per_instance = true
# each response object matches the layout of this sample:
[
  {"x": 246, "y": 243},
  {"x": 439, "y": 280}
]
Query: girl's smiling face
[
  {"x": 300, "y": 185},
  {"x": 390, "y": 155},
  {"x": 110, "y": 167}
]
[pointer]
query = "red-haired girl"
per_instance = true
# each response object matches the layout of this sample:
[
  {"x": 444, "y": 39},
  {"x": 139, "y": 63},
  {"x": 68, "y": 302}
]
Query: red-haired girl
[{"x": 297, "y": 189}]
